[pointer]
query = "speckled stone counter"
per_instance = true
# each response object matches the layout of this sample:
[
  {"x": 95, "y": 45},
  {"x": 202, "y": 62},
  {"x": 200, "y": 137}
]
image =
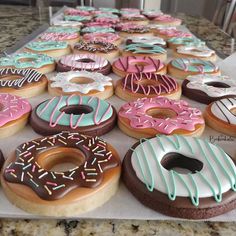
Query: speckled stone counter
[{"x": 17, "y": 22}]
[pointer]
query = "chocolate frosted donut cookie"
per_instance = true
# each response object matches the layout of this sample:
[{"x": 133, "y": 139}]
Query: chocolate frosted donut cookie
[
  {"x": 88, "y": 62},
  {"x": 31, "y": 184},
  {"x": 103, "y": 49},
  {"x": 86, "y": 115},
  {"x": 206, "y": 190},
  {"x": 208, "y": 88}
]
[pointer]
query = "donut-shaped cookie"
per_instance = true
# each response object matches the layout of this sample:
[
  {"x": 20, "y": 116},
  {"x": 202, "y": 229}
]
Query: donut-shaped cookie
[
  {"x": 51, "y": 48},
  {"x": 131, "y": 30},
  {"x": 152, "y": 40},
  {"x": 134, "y": 86},
  {"x": 208, "y": 88},
  {"x": 86, "y": 8},
  {"x": 14, "y": 113},
  {"x": 147, "y": 117},
  {"x": 195, "y": 51},
  {"x": 2, "y": 160},
  {"x": 107, "y": 19},
  {"x": 40, "y": 62},
  {"x": 168, "y": 33},
  {"x": 103, "y": 37},
  {"x": 22, "y": 82},
  {"x": 87, "y": 115},
  {"x": 103, "y": 49},
  {"x": 88, "y": 62},
  {"x": 221, "y": 115},
  {"x": 164, "y": 19},
  {"x": 135, "y": 18},
  {"x": 76, "y": 12},
  {"x": 206, "y": 190},
  {"x": 30, "y": 183},
  {"x": 97, "y": 29},
  {"x": 81, "y": 83},
  {"x": 109, "y": 10},
  {"x": 151, "y": 14},
  {"x": 175, "y": 42},
  {"x": 79, "y": 18},
  {"x": 144, "y": 49},
  {"x": 182, "y": 67},
  {"x": 136, "y": 64}
]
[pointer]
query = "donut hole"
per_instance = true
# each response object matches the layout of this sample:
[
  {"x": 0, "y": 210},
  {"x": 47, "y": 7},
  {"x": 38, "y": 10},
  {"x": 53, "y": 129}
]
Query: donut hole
[
  {"x": 218, "y": 84},
  {"x": 161, "y": 113},
  {"x": 181, "y": 163},
  {"x": 77, "y": 109},
  {"x": 85, "y": 60},
  {"x": 61, "y": 159},
  {"x": 233, "y": 111},
  {"x": 138, "y": 63},
  {"x": 196, "y": 50},
  {"x": 195, "y": 64},
  {"x": 81, "y": 80},
  {"x": 28, "y": 59}
]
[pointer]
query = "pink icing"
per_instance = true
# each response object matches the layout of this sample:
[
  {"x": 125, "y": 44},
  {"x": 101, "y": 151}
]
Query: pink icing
[
  {"x": 107, "y": 20},
  {"x": 131, "y": 64},
  {"x": 132, "y": 15},
  {"x": 104, "y": 37},
  {"x": 127, "y": 26},
  {"x": 58, "y": 36},
  {"x": 74, "y": 12},
  {"x": 186, "y": 117},
  {"x": 167, "y": 18},
  {"x": 12, "y": 107},
  {"x": 175, "y": 33},
  {"x": 94, "y": 24}
]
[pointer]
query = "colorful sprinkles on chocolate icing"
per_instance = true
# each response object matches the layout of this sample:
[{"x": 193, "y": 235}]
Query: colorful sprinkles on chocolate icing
[{"x": 51, "y": 185}]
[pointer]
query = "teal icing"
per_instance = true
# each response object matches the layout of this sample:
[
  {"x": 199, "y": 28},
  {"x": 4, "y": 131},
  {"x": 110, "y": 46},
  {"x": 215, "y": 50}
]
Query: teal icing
[
  {"x": 61, "y": 29},
  {"x": 97, "y": 30},
  {"x": 47, "y": 45},
  {"x": 147, "y": 172},
  {"x": 192, "y": 65},
  {"x": 144, "y": 48},
  {"x": 86, "y": 8},
  {"x": 17, "y": 60},
  {"x": 76, "y": 18},
  {"x": 107, "y": 9},
  {"x": 186, "y": 41},
  {"x": 55, "y": 104}
]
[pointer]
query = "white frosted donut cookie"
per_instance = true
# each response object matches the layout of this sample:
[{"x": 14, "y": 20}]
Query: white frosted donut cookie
[
  {"x": 221, "y": 115},
  {"x": 81, "y": 83}
]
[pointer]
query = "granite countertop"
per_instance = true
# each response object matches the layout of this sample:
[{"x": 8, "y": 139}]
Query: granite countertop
[{"x": 16, "y": 23}]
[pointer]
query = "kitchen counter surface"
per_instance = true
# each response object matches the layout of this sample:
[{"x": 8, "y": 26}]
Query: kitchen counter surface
[{"x": 18, "y": 22}]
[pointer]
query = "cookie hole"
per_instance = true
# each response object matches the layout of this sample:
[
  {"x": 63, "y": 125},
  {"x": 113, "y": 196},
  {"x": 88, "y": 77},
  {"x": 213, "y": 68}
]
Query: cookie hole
[
  {"x": 28, "y": 59},
  {"x": 81, "y": 80},
  {"x": 138, "y": 63},
  {"x": 61, "y": 159},
  {"x": 77, "y": 109},
  {"x": 161, "y": 113},
  {"x": 195, "y": 64},
  {"x": 195, "y": 50},
  {"x": 181, "y": 163},
  {"x": 218, "y": 85},
  {"x": 85, "y": 60}
]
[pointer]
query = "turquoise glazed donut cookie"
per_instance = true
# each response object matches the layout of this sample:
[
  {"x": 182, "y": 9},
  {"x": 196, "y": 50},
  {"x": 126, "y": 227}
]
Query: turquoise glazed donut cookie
[{"x": 83, "y": 114}]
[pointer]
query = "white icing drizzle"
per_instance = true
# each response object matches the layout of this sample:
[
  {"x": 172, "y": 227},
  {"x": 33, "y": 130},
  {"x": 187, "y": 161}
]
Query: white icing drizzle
[
  {"x": 195, "y": 50},
  {"x": 215, "y": 178},
  {"x": 147, "y": 40},
  {"x": 222, "y": 110},
  {"x": 63, "y": 81},
  {"x": 199, "y": 82}
]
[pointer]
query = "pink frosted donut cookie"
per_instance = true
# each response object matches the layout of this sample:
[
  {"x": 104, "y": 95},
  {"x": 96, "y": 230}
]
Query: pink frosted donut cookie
[
  {"x": 171, "y": 33},
  {"x": 136, "y": 64},
  {"x": 98, "y": 24},
  {"x": 87, "y": 62},
  {"x": 14, "y": 113},
  {"x": 164, "y": 19},
  {"x": 104, "y": 37},
  {"x": 147, "y": 117}
]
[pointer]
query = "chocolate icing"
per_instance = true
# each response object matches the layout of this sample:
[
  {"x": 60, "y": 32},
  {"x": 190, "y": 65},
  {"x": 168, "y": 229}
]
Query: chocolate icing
[
  {"x": 200, "y": 96},
  {"x": 104, "y": 70},
  {"x": 2, "y": 159},
  {"x": 42, "y": 127},
  {"x": 95, "y": 46},
  {"x": 50, "y": 185},
  {"x": 181, "y": 207}
]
